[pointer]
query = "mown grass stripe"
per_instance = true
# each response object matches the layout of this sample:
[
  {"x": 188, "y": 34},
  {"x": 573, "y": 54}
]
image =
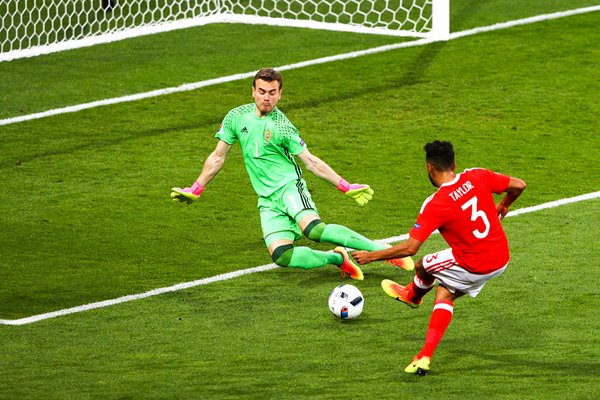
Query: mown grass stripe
[{"x": 238, "y": 273}]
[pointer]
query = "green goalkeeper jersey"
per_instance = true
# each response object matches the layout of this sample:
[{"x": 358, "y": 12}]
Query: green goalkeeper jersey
[{"x": 268, "y": 144}]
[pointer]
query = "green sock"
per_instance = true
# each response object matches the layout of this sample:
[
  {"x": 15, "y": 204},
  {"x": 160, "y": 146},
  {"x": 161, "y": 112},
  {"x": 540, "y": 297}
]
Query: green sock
[
  {"x": 307, "y": 258},
  {"x": 342, "y": 236}
]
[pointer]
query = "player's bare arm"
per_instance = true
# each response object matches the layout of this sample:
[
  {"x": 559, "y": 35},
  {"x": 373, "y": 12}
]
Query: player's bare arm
[
  {"x": 360, "y": 193},
  {"x": 212, "y": 166},
  {"x": 213, "y": 163},
  {"x": 319, "y": 167},
  {"x": 513, "y": 191},
  {"x": 405, "y": 249}
]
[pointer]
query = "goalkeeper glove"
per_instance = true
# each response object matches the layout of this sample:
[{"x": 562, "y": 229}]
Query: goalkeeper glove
[
  {"x": 360, "y": 193},
  {"x": 187, "y": 195}
]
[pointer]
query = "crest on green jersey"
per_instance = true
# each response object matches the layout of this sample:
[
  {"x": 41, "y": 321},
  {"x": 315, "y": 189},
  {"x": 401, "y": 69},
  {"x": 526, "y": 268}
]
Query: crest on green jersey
[{"x": 268, "y": 135}]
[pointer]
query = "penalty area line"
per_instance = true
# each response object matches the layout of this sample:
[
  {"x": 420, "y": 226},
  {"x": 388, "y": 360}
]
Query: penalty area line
[
  {"x": 150, "y": 293},
  {"x": 237, "y": 274}
]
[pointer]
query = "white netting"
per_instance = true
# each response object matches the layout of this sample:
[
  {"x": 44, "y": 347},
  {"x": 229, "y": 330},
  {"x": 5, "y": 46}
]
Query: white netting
[
  {"x": 26, "y": 24},
  {"x": 406, "y": 15},
  {"x": 34, "y": 27}
]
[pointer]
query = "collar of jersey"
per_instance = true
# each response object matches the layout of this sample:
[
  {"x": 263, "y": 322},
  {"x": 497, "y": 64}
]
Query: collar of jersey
[
  {"x": 272, "y": 111},
  {"x": 452, "y": 182}
]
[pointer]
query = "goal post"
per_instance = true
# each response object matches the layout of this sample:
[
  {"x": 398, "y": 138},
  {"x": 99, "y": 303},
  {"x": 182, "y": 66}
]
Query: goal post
[
  {"x": 33, "y": 27},
  {"x": 440, "y": 20}
]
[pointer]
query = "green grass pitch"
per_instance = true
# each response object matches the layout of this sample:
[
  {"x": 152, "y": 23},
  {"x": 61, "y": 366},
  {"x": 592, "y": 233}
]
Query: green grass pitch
[{"x": 85, "y": 215}]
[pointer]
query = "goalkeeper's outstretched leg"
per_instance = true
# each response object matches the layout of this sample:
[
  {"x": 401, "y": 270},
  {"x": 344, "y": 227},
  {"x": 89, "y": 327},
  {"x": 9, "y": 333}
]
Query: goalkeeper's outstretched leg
[
  {"x": 286, "y": 255},
  {"x": 340, "y": 235}
]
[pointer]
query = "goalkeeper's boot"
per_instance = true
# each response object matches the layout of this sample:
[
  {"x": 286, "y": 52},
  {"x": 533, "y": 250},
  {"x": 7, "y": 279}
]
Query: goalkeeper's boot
[
  {"x": 401, "y": 293},
  {"x": 419, "y": 366},
  {"x": 347, "y": 266},
  {"x": 405, "y": 263}
]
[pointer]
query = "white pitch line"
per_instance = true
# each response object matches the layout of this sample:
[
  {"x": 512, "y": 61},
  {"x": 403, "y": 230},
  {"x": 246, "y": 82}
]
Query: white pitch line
[
  {"x": 197, "y": 85},
  {"x": 236, "y": 274},
  {"x": 124, "y": 299},
  {"x": 524, "y": 21}
]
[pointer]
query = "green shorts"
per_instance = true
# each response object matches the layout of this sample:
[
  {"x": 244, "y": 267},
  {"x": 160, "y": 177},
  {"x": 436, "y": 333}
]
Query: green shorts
[{"x": 281, "y": 212}]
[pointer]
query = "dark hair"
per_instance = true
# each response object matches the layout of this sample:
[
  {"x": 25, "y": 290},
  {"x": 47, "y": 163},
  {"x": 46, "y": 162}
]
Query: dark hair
[
  {"x": 268, "y": 75},
  {"x": 440, "y": 154}
]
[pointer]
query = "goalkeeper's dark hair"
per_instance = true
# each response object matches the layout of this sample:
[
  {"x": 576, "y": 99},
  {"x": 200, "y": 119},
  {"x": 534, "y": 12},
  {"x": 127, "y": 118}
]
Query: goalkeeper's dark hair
[
  {"x": 440, "y": 154},
  {"x": 268, "y": 75}
]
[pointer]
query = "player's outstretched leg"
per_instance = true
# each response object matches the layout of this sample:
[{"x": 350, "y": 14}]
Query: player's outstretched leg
[
  {"x": 307, "y": 258},
  {"x": 346, "y": 237}
]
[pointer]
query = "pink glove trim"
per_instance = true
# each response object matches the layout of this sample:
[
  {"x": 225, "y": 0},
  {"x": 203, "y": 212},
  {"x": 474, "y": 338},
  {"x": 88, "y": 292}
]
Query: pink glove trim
[
  {"x": 197, "y": 189},
  {"x": 343, "y": 186}
]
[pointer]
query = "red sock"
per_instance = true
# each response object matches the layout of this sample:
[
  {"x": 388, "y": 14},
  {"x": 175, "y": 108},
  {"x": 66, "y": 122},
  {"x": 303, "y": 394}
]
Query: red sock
[
  {"x": 439, "y": 321},
  {"x": 419, "y": 288}
]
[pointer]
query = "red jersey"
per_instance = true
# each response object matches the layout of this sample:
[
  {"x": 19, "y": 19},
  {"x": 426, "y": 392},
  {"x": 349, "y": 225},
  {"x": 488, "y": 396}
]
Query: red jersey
[{"x": 464, "y": 211}]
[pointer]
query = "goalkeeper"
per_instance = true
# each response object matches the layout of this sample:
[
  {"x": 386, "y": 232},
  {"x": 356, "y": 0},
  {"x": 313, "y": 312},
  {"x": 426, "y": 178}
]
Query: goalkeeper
[{"x": 269, "y": 143}]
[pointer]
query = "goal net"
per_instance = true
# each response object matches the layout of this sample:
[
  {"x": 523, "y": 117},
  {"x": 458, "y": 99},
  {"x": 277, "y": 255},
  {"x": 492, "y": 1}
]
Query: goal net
[{"x": 33, "y": 27}]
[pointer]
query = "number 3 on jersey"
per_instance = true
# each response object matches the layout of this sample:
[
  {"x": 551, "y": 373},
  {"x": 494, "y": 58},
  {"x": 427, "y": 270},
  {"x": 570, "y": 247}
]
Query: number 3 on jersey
[{"x": 475, "y": 214}]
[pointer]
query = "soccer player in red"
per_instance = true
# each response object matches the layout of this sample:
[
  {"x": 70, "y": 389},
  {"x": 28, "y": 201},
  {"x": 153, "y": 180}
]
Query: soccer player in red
[{"x": 465, "y": 213}]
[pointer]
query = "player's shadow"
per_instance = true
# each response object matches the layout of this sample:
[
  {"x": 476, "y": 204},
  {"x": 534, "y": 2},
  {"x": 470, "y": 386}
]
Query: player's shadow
[{"x": 413, "y": 73}]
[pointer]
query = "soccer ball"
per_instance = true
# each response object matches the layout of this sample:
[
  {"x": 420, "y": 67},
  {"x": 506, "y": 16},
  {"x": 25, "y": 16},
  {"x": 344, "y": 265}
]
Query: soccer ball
[{"x": 346, "y": 301}]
